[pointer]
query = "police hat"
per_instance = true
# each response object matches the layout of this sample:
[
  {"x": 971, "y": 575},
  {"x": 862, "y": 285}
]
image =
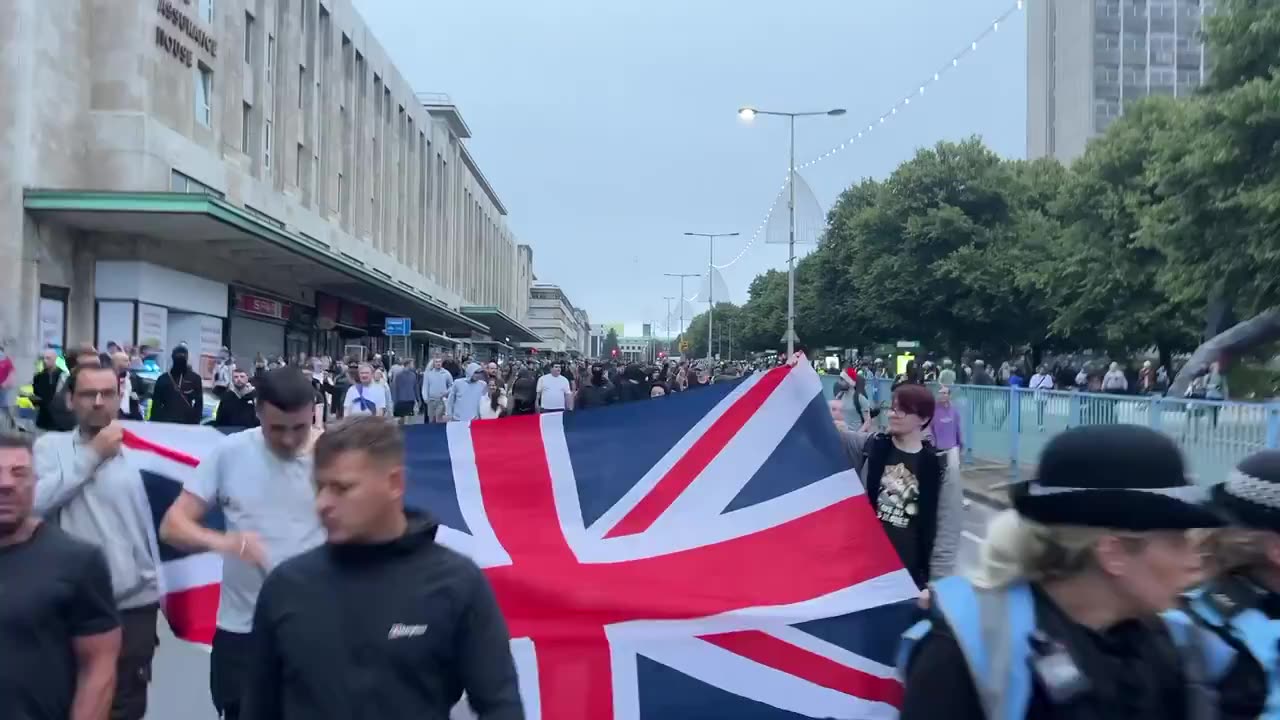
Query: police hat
[
  {"x": 1250, "y": 495},
  {"x": 1124, "y": 477}
]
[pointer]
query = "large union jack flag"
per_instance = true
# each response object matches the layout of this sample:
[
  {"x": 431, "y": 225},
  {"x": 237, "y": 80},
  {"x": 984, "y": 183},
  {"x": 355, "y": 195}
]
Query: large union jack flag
[{"x": 707, "y": 555}]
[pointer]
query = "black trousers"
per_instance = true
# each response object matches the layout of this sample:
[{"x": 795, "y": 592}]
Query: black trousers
[
  {"x": 133, "y": 669},
  {"x": 228, "y": 666}
]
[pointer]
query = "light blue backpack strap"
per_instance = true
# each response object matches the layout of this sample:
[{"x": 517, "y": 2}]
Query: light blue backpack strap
[
  {"x": 907, "y": 646},
  {"x": 993, "y": 629},
  {"x": 1205, "y": 660},
  {"x": 1261, "y": 634},
  {"x": 1214, "y": 652}
]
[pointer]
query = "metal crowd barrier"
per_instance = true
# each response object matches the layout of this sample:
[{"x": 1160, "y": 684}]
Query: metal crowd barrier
[{"x": 1011, "y": 425}]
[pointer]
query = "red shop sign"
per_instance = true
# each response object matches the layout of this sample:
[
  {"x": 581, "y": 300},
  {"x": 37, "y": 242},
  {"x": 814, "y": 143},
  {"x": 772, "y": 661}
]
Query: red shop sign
[{"x": 258, "y": 305}]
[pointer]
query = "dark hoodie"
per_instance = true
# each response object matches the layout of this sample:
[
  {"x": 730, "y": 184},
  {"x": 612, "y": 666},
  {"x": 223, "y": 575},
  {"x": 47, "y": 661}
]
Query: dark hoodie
[
  {"x": 396, "y": 630},
  {"x": 178, "y": 396}
]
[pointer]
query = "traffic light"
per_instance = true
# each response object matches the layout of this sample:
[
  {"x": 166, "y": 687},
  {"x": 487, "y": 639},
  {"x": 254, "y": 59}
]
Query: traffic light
[
  {"x": 614, "y": 352},
  {"x": 684, "y": 346}
]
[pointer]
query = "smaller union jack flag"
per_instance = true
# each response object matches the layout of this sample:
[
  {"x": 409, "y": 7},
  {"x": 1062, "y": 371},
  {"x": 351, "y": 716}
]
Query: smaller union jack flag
[{"x": 706, "y": 555}]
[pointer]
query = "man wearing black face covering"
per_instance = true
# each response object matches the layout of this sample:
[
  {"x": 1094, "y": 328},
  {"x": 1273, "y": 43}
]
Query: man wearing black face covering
[{"x": 178, "y": 396}]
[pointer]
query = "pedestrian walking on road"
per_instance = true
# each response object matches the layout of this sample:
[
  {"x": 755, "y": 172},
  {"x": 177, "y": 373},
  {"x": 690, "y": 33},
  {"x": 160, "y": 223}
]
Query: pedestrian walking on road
[
  {"x": 59, "y": 633},
  {"x": 404, "y": 392},
  {"x": 395, "y": 625},
  {"x": 554, "y": 393},
  {"x": 87, "y": 487},
  {"x": 45, "y": 385},
  {"x": 366, "y": 397},
  {"x": 465, "y": 395},
  {"x": 261, "y": 479},
  {"x": 178, "y": 396},
  {"x": 948, "y": 434},
  {"x": 238, "y": 406},
  {"x": 906, "y": 483},
  {"x": 436, "y": 383}
]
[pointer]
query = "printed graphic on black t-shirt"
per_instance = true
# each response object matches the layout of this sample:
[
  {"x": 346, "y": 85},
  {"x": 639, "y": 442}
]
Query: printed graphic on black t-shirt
[
  {"x": 898, "y": 505},
  {"x": 898, "y": 501},
  {"x": 53, "y": 589}
]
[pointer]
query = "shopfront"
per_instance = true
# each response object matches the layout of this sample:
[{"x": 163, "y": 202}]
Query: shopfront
[
  {"x": 343, "y": 329},
  {"x": 142, "y": 304},
  {"x": 258, "y": 323}
]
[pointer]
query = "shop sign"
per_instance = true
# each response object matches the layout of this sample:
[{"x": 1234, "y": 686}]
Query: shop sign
[
  {"x": 185, "y": 25},
  {"x": 258, "y": 305}
]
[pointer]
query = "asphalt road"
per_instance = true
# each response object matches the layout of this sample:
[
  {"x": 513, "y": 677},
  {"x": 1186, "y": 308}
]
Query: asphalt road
[{"x": 180, "y": 685}]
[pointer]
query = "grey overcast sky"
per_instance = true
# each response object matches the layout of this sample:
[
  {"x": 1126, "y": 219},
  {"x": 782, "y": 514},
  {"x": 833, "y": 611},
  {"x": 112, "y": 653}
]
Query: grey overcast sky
[{"x": 609, "y": 128}]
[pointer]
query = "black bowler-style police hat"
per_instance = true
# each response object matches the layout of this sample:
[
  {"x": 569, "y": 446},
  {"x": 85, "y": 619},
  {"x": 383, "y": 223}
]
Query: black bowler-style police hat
[
  {"x": 1250, "y": 496},
  {"x": 1124, "y": 477}
]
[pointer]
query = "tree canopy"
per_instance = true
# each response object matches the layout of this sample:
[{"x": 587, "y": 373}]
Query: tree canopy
[{"x": 1170, "y": 217}]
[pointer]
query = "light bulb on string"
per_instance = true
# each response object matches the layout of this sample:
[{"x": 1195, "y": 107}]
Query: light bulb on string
[{"x": 893, "y": 111}]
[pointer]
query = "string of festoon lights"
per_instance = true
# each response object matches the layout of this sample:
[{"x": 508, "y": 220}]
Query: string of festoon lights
[{"x": 992, "y": 28}]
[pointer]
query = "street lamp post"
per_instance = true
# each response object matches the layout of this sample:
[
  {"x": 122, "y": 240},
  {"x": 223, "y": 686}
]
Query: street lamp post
[
  {"x": 748, "y": 113},
  {"x": 711, "y": 266},
  {"x": 667, "y": 322},
  {"x": 682, "y": 276}
]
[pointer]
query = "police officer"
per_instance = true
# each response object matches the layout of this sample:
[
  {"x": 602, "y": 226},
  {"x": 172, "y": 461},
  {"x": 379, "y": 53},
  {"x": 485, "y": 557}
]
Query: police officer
[
  {"x": 1241, "y": 603},
  {"x": 1062, "y": 617}
]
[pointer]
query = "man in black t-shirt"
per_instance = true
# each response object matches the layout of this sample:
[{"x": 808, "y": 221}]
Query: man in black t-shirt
[{"x": 59, "y": 633}]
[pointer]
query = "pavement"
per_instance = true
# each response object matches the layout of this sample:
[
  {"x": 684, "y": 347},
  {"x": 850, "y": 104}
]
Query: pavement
[{"x": 180, "y": 684}]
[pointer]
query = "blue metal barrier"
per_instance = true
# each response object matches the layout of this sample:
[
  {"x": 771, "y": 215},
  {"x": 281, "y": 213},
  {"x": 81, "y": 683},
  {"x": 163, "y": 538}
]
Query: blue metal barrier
[{"x": 1012, "y": 425}]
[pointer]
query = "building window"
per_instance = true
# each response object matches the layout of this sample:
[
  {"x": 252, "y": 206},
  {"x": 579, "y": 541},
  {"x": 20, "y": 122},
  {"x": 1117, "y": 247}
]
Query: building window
[
  {"x": 302, "y": 84},
  {"x": 248, "y": 39},
  {"x": 342, "y": 192},
  {"x": 271, "y": 55},
  {"x": 206, "y": 11},
  {"x": 246, "y": 113},
  {"x": 266, "y": 145},
  {"x": 204, "y": 95},
  {"x": 297, "y": 167}
]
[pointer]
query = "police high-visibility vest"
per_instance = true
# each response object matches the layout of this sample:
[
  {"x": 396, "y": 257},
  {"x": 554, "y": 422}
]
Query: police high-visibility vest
[
  {"x": 993, "y": 629},
  {"x": 1259, "y": 633}
]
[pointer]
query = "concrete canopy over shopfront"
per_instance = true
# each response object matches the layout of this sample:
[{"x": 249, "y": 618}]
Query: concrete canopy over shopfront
[
  {"x": 501, "y": 325},
  {"x": 244, "y": 239}
]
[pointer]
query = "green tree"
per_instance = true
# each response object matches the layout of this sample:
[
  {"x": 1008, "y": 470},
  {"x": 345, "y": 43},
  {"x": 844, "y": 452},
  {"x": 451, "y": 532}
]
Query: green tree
[
  {"x": 1243, "y": 37},
  {"x": 926, "y": 254},
  {"x": 763, "y": 319},
  {"x": 610, "y": 344},
  {"x": 726, "y": 315},
  {"x": 1098, "y": 274}
]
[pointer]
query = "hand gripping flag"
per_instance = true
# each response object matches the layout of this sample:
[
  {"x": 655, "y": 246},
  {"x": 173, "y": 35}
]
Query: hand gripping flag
[{"x": 708, "y": 554}]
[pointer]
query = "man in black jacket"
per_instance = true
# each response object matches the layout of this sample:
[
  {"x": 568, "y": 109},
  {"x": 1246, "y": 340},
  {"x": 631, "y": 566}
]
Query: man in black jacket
[
  {"x": 380, "y": 622},
  {"x": 238, "y": 407},
  {"x": 178, "y": 396},
  {"x": 44, "y": 390}
]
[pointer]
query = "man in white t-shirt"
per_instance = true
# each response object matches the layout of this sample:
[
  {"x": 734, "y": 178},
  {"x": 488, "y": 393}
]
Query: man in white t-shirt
[
  {"x": 261, "y": 480},
  {"x": 365, "y": 398},
  {"x": 553, "y": 391}
]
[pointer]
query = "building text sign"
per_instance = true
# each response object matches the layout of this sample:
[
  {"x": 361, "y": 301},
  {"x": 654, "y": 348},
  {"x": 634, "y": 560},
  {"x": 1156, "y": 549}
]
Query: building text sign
[{"x": 186, "y": 25}]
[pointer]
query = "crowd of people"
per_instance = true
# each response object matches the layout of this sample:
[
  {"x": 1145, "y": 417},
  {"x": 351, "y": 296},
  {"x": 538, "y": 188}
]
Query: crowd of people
[
  {"x": 1113, "y": 586},
  {"x": 448, "y": 388},
  {"x": 1066, "y": 373}
]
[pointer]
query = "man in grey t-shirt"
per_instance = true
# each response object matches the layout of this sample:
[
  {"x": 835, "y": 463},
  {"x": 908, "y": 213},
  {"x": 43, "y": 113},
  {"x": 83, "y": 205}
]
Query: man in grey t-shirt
[{"x": 261, "y": 480}]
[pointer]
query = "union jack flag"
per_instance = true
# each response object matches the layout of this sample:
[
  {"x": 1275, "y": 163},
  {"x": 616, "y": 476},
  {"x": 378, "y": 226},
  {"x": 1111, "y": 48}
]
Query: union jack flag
[{"x": 705, "y": 555}]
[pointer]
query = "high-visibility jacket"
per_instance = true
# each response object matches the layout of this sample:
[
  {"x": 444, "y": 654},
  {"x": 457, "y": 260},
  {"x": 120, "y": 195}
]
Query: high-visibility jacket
[
  {"x": 994, "y": 627},
  {"x": 1250, "y": 627}
]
